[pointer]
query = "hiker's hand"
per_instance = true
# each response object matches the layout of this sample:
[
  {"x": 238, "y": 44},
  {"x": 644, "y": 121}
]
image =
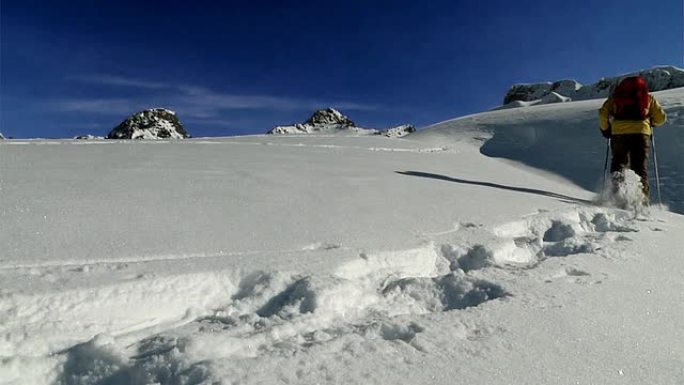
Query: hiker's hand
[{"x": 606, "y": 133}]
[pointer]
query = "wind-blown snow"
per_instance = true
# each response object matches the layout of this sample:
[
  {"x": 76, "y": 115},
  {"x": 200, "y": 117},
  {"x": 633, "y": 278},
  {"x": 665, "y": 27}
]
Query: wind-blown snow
[{"x": 468, "y": 252}]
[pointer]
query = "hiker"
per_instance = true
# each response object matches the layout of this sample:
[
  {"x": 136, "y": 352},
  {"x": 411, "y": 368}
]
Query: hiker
[{"x": 627, "y": 118}]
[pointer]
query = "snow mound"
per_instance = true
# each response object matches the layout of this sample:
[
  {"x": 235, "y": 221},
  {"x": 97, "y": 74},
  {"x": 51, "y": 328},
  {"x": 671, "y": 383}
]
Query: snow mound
[
  {"x": 156, "y": 123},
  {"x": 658, "y": 79}
]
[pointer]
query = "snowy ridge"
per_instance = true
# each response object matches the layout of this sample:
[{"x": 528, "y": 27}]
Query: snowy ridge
[
  {"x": 299, "y": 129},
  {"x": 522, "y": 95}
]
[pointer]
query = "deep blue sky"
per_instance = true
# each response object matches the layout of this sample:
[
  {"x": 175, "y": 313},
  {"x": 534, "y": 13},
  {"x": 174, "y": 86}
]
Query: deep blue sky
[{"x": 236, "y": 67}]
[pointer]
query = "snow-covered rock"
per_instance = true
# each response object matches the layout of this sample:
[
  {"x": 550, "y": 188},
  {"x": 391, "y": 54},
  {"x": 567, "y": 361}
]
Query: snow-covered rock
[
  {"x": 554, "y": 97},
  {"x": 551, "y": 97},
  {"x": 565, "y": 87},
  {"x": 292, "y": 129},
  {"x": 1, "y": 136},
  {"x": 88, "y": 137},
  {"x": 332, "y": 121},
  {"x": 399, "y": 131},
  {"x": 527, "y": 92},
  {"x": 658, "y": 79},
  {"x": 329, "y": 116},
  {"x": 306, "y": 128},
  {"x": 156, "y": 123},
  {"x": 327, "y": 120}
]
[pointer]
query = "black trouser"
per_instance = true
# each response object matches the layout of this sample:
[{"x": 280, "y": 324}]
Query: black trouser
[{"x": 631, "y": 149}]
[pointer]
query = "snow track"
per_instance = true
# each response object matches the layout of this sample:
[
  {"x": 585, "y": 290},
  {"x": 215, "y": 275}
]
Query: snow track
[{"x": 171, "y": 329}]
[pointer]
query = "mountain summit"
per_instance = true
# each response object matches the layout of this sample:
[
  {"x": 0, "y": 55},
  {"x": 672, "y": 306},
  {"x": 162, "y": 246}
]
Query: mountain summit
[
  {"x": 330, "y": 116},
  {"x": 156, "y": 123},
  {"x": 330, "y": 120}
]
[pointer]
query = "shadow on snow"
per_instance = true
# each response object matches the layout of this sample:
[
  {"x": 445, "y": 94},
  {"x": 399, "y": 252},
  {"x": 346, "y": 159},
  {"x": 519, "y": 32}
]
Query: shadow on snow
[{"x": 549, "y": 194}]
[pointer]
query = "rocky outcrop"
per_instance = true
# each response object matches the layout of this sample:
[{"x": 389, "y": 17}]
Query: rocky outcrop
[
  {"x": 88, "y": 137},
  {"x": 1, "y": 136},
  {"x": 329, "y": 116},
  {"x": 532, "y": 92},
  {"x": 156, "y": 123},
  {"x": 554, "y": 97},
  {"x": 399, "y": 131},
  {"x": 658, "y": 79},
  {"x": 327, "y": 120},
  {"x": 331, "y": 121}
]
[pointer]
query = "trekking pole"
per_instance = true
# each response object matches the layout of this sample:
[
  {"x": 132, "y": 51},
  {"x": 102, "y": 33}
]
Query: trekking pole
[
  {"x": 605, "y": 169},
  {"x": 655, "y": 166}
]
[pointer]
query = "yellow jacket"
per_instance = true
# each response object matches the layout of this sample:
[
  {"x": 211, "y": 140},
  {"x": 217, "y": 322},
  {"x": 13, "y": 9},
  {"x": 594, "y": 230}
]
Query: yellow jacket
[{"x": 655, "y": 115}]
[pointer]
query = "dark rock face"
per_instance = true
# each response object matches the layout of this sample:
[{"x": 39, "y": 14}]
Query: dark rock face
[
  {"x": 88, "y": 137},
  {"x": 527, "y": 92},
  {"x": 156, "y": 123},
  {"x": 1, "y": 136},
  {"x": 658, "y": 79},
  {"x": 329, "y": 116}
]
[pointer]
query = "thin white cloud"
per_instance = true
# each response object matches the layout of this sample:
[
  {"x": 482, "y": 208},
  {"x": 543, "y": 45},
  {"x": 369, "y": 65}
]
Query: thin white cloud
[
  {"x": 205, "y": 102},
  {"x": 191, "y": 101},
  {"x": 98, "y": 106},
  {"x": 112, "y": 80}
]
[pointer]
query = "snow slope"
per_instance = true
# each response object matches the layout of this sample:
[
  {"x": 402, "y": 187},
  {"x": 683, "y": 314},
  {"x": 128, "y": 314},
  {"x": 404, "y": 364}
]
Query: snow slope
[
  {"x": 466, "y": 253},
  {"x": 564, "y": 139}
]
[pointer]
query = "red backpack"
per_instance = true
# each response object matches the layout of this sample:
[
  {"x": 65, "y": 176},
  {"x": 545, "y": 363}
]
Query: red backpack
[{"x": 631, "y": 99}]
